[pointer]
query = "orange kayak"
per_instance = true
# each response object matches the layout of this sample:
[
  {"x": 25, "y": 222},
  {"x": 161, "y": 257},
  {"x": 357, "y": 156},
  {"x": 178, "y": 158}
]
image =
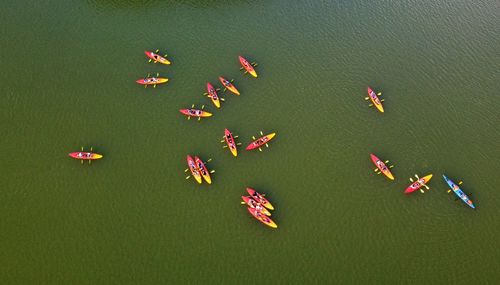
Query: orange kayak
[
  {"x": 375, "y": 100},
  {"x": 212, "y": 94},
  {"x": 247, "y": 66},
  {"x": 228, "y": 85},
  {"x": 255, "y": 205},
  {"x": 194, "y": 170},
  {"x": 259, "y": 198},
  {"x": 85, "y": 155},
  {"x": 262, "y": 218},
  {"x": 381, "y": 166},
  {"x": 156, "y": 57},
  {"x": 228, "y": 136},
  {"x": 203, "y": 170},
  {"x": 260, "y": 141}
]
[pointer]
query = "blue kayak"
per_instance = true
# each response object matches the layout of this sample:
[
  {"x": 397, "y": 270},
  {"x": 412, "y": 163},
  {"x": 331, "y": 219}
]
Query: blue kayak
[{"x": 459, "y": 192}]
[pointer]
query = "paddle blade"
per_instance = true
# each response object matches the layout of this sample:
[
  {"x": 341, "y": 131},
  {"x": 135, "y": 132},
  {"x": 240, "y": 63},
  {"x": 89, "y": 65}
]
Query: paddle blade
[
  {"x": 391, "y": 166},
  {"x": 379, "y": 93},
  {"x": 187, "y": 177},
  {"x": 449, "y": 190},
  {"x": 213, "y": 171},
  {"x": 149, "y": 60},
  {"x": 411, "y": 179},
  {"x": 460, "y": 183},
  {"x": 422, "y": 191},
  {"x": 366, "y": 98},
  {"x": 186, "y": 170}
]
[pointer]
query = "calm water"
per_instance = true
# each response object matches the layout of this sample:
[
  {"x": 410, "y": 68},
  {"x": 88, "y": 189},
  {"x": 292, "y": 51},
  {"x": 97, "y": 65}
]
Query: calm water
[{"x": 67, "y": 80}]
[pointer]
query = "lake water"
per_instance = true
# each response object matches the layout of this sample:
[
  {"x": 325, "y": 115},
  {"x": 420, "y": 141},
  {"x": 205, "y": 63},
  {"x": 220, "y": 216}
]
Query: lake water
[{"x": 67, "y": 80}]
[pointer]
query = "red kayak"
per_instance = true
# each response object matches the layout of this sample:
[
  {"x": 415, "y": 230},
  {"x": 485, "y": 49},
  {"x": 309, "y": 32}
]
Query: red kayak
[
  {"x": 262, "y": 218},
  {"x": 85, "y": 155},
  {"x": 228, "y": 137},
  {"x": 247, "y": 66},
  {"x": 152, "y": 81},
  {"x": 381, "y": 166},
  {"x": 260, "y": 141},
  {"x": 418, "y": 184},
  {"x": 203, "y": 170},
  {"x": 259, "y": 198},
  {"x": 255, "y": 205},
  {"x": 212, "y": 94},
  {"x": 195, "y": 113},
  {"x": 228, "y": 85},
  {"x": 156, "y": 57},
  {"x": 194, "y": 170}
]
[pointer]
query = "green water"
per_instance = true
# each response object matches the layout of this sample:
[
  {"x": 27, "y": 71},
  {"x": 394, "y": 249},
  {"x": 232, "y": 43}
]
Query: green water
[{"x": 67, "y": 80}]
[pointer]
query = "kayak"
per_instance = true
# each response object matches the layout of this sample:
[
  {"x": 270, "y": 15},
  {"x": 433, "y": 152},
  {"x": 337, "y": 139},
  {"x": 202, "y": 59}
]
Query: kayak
[
  {"x": 228, "y": 85},
  {"x": 212, "y": 94},
  {"x": 85, "y": 155},
  {"x": 194, "y": 170},
  {"x": 259, "y": 198},
  {"x": 203, "y": 170},
  {"x": 255, "y": 205},
  {"x": 247, "y": 66},
  {"x": 228, "y": 136},
  {"x": 260, "y": 141},
  {"x": 195, "y": 113},
  {"x": 152, "y": 80},
  {"x": 262, "y": 218},
  {"x": 417, "y": 184},
  {"x": 459, "y": 192},
  {"x": 156, "y": 57},
  {"x": 375, "y": 100},
  {"x": 381, "y": 166}
]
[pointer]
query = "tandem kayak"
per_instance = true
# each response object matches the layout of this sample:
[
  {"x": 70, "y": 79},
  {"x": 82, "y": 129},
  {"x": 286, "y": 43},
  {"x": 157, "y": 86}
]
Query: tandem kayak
[
  {"x": 260, "y": 141},
  {"x": 228, "y": 136},
  {"x": 85, "y": 155},
  {"x": 459, "y": 192},
  {"x": 156, "y": 57},
  {"x": 195, "y": 113},
  {"x": 212, "y": 94},
  {"x": 194, "y": 170},
  {"x": 262, "y": 218},
  {"x": 203, "y": 170},
  {"x": 259, "y": 198},
  {"x": 418, "y": 184},
  {"x": 255, "y": 205},
  {"x": 381, "y": 166},
  {"x": 228, "y": 85},
  {"x": 247, "y": 66},
  {"x": 152, "y": 80},
  {"x": 375, "y": 100}
]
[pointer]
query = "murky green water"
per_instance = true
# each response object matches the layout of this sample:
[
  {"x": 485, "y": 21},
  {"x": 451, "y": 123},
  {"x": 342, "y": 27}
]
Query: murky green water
[{"x": 67, "y": 80}]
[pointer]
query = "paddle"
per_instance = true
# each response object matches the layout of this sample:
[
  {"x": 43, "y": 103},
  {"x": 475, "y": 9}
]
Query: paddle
[
  {"x": 379, "y": 94},
  {"x": 186, "y": 170},
  {"x": 371, "y": 105},
  {"x": 212, "y": 171},
  {"x": 391, "y": 166},
  {"x": 238, "y": 144},
  {"x": 367, "y": 98}
]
